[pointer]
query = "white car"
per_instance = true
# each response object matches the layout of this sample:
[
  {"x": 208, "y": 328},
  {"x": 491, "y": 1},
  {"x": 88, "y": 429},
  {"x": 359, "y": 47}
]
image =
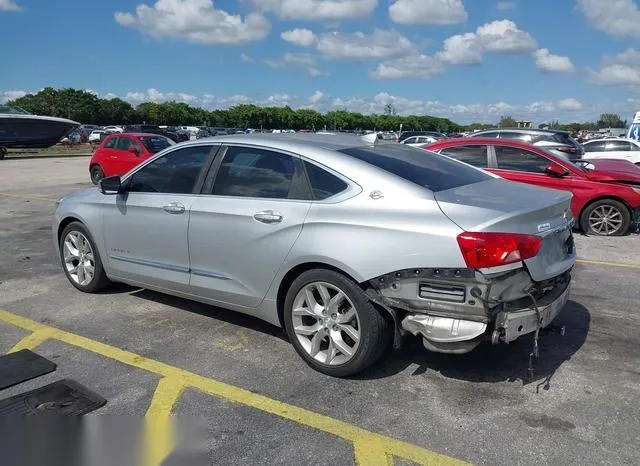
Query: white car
[
  {"x": 113, "y": 129},
  {"x": 419, "y": 141},
  {"x": 96, "y": 135},
  {"x": 625, "y": 149}
]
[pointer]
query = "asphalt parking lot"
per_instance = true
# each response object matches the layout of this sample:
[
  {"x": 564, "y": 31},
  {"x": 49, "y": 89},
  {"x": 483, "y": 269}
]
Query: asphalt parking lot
[{"x": 147, "y": 353}]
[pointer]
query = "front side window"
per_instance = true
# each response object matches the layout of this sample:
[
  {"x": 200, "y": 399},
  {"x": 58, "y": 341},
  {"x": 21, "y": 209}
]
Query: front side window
[
  {"x": 123, "y": 143},
  {"x": 174, "y": 173},
  {"x": 512, "y": 158},
  {"x": 617, "y": 146},
  {"x": 323, "y": 183},
  {"x": 253, "y": 172},
  {"x": 473, "y": 155}
]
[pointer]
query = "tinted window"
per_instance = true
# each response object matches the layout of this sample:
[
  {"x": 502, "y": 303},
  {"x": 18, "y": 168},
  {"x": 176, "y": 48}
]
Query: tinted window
[
  {"x": 488, "y": 134},
  {"x": 123, "y": 143},
  {"x": 596, "y": 146},
  {"x": 175, "y": 173},
  {"x": 155, "y": 143},
  {"x": 249, "y": 172},
  {"x": 617, "y": 146},
  {"x": 511, "y": 158},
  {"x": 473, "y": 155},
  {"x": 323, "y": 183},
  {"x": 423, "y": 168},
  {"x": 527, "y": 137},
  {"x": 411, "y": 140},
  {"x": 111, "y": 143}
]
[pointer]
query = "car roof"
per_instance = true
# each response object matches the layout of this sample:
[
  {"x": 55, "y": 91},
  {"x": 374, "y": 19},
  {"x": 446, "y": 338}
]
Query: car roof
[
  {"x": 137, "y": 135},
  {"x": 291, "y": 141},
  {"x": 610, "y": 140},
  {"x": 525, "y": 130}
]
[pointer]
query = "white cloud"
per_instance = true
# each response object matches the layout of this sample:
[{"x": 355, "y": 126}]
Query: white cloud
[
  {"x": 301, "y": 37},
  {"x": 621, "y": 70},
  {"x": 9, "y": 5},
  {"x": 195, "y": 21},
  {"x": 498, "y": 37},
  {"x": 318, "y": 10},
  {"x": 154, "y": 95},
  {"x": 296, "y": 60},
  {"x": 6, "y": 96},
  {"x": 412, "y": 66},
  {"x": 550, "y": 63},
  {"x": 247, "y": 58},
  {"x": 317, "y": 97},
  {"x": 615, "y": 17},
  {"x": 570, "y": 104},
  {"x": 505, "y": 5},
  {"x": 381, "y": 45},
  {"x": 436, "y": 12}
]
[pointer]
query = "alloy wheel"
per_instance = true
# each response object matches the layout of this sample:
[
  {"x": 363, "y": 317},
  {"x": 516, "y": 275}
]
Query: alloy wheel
[
  {"x": 326, "y": 323},
  {"x": 78, "y": 258},
  {"x": 606, "y": 220}
]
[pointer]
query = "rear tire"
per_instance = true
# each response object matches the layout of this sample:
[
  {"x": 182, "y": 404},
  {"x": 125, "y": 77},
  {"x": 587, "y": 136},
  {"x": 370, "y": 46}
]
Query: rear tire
[
  {"x": 333, "y": 325},
  {"x": 606, "y": 217},
  {"x": 96, "y": 174},
  {"x": 81, "y": 260},
  {"x": 3, "y": 152}
]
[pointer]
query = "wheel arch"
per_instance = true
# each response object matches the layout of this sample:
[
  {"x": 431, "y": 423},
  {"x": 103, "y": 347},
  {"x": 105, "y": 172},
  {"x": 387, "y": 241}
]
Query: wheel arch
[
  {"x": 64, "y": 223},
  {"x": 294, "y": 273}
]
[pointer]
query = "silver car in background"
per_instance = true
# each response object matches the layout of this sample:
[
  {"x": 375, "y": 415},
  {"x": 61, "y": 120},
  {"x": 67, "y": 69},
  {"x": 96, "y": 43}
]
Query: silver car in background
[
  {"x": 558, "y": 143},
  {"x": 348, "y": 243}
]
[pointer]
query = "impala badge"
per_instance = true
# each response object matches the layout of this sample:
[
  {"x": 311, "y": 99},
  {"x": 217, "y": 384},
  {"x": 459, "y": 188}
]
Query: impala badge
[{"x": 543, "y": 227}]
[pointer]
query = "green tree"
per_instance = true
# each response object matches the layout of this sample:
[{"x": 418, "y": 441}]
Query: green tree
[
  {"x": 611, "y": 120},
  {"x": 506, "y": 121}
]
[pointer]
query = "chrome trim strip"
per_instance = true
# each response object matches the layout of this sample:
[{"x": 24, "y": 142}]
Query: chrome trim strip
[
  {"x": 206, "y": 273},
  {"x": 159, "y": 265}
]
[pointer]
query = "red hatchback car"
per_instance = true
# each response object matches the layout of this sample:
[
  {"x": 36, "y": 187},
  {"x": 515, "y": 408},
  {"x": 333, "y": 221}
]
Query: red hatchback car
[
  {"x": 606, "y": 193},
  {"x": 119, "y": 153}
]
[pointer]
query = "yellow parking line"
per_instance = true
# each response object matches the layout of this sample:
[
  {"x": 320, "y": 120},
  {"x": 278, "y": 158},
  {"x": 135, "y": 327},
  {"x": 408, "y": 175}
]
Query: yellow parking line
[
  {"x": 32, "y": 340},
  {"x": 29, "y": 197},
  {"x": 609, "y": 264},
  {"x": 160, "y": 437},
  {"x": 370, "y": 448}
]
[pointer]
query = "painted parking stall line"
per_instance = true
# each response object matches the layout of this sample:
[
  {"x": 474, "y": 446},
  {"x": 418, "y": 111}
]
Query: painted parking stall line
[{"x": 369, "y": 448}]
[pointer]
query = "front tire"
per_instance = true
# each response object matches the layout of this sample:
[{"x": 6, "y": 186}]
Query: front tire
[
  {"x": 80, "y": 259},
  {"x": 96, "y": 174},
  {"x": 332, "y": 323},
  {"x": 606, "y": 217}
]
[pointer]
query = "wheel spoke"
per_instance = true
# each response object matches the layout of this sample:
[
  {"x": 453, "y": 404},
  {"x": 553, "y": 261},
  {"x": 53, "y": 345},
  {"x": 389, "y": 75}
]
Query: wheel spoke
[
  {"x": 311, "y": 299},
  {"x": 341, "y": 345},
  {"x": 332, "y": 352},
  {"x": 308, "y": 330},
  {"x": 81, "y": 276},
  {"x": 347, "y": 316},
  {"x": 303, "y": 311},
  {"x": 324, "y": 295},
  {"x": 316, "y": 342},
  {"x": 89, "y": 270},
  {"x": 352, "y": 332},
  {"x": 70, "y": 251},
  {"x": 334, "y": 303}
]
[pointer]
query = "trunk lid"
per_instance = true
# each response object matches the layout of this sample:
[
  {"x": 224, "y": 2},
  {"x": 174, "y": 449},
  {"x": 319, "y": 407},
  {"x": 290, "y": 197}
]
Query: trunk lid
[{"x": 499, "y": 205}]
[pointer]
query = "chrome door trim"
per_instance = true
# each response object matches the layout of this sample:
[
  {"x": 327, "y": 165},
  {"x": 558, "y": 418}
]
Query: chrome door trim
[{"x": 158, "y": 265}]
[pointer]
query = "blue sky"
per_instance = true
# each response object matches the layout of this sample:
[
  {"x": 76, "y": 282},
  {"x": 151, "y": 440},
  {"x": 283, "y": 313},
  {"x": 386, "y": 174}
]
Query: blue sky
[{"x": 470, "y": 60}]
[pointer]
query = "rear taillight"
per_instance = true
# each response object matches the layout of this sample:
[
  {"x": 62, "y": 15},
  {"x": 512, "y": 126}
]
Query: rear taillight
[
  {"x": 568, "y": 150},
  {"x": 487, "y": 249}
]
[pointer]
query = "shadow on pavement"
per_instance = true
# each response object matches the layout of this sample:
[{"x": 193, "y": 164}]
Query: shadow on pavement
[{"x": 501, "y": 363}]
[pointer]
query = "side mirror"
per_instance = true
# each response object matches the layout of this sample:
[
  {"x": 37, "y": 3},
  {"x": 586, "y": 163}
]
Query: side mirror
[
  {"x": 110, "y": 185},
  {"x": 134, "y": 150},
  {"x": 556, "y": 170}
]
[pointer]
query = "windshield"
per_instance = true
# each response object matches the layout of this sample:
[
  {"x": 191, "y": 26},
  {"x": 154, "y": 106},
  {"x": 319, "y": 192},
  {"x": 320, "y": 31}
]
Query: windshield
[
  {"x": 419, "y": 166},
  {"x": 13, "y": 110},
  {"x": 155, "y": 143}
]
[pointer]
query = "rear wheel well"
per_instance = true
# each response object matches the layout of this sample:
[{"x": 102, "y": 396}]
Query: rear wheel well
[{"x": 294, "y": 273}]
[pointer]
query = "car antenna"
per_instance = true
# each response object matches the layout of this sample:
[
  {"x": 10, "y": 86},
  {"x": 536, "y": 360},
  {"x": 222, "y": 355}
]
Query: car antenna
[{"x": 370, "y": 139}]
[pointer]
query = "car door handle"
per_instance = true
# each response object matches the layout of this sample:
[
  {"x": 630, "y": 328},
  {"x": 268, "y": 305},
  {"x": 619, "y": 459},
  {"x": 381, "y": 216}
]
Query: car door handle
[
  {"x": 174, "y": 208},
  {"x": 268, "y": 216}
]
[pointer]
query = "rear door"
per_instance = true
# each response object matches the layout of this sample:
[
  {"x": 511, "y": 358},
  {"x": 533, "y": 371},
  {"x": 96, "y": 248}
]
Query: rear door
[
  {"x": 108, "y": 156},
  {"x": 145, "y": 230},
  {"x": 473, "y": 154},
  {"x": 243, "y": 226}
]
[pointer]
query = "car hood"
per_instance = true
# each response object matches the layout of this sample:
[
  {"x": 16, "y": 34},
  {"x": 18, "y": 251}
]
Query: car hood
[{"x": 609, "y": 171}]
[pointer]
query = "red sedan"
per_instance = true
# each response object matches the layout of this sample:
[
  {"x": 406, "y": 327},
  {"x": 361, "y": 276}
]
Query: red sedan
[
  {"x": 606, "y": 193},
  {"x": 120, "y": 153}
]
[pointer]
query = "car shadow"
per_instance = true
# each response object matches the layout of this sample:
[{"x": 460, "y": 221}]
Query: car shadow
[
  {"x": 497, "y": 363},
  {"x": 206, "y": 310}
]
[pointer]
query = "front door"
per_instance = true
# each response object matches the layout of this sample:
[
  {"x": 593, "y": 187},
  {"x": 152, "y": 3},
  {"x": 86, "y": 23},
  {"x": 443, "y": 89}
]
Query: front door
[
  {"x": 242, "y": 229},
  {"x": 145, "y": 229}
]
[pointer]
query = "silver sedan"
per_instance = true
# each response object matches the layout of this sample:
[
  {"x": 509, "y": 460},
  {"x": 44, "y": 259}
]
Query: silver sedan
[{"x": 350, "y": 244}]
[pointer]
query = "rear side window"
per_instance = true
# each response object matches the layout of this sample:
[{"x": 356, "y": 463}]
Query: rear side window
[
  {"x": 323, "y": 183},
  {"x": 597, "y": 146},
  {"x": 423, "y": 168},
  {"x": 512, "y": 158},
  {"x": 617, "y": 146},
  {"x": 527, "y": 137},
  {"x": 155, "y": 144},
  {"x": 111, "y": 143},
  {"x": 473, "y": 155},
  {"x": 488, "y": 134}
]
